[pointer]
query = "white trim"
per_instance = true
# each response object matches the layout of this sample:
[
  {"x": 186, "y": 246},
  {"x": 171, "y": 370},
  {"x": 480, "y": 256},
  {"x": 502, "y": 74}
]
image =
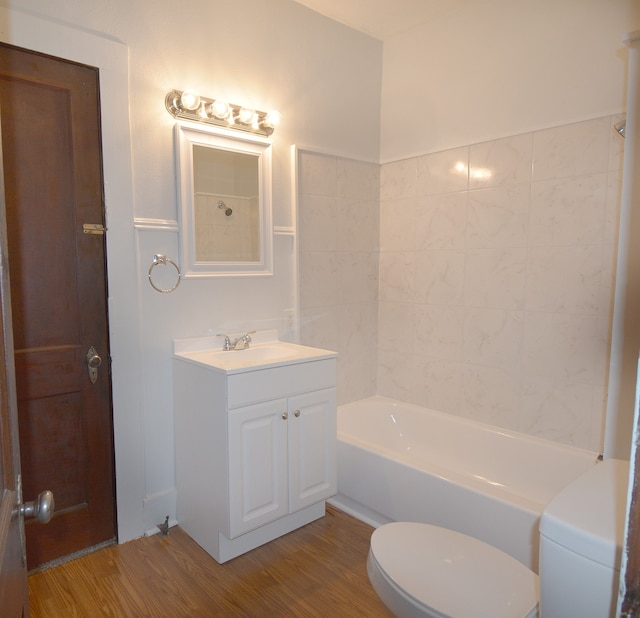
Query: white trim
[
  {"x": 283, "y": 230},
  {"x": 161, "y": 225}
]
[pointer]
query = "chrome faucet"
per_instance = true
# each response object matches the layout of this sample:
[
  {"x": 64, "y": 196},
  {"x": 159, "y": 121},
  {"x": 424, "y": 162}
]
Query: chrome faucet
[{"x": 241, "y": 343}]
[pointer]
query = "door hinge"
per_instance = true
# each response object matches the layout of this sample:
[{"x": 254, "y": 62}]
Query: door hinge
[{"x": 93, "y": 228}]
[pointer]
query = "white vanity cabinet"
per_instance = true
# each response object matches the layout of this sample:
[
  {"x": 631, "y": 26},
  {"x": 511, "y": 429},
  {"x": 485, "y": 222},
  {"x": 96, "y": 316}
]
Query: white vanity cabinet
[
  {"x": 281, "y": 458},
  {"x": 255, "y": 448}
]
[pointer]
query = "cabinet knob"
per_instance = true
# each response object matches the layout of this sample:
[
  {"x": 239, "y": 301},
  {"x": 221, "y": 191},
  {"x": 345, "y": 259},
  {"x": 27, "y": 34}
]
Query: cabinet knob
[
  {"x": 296, "y": 413},
  {"x": 285, "y": 416}
]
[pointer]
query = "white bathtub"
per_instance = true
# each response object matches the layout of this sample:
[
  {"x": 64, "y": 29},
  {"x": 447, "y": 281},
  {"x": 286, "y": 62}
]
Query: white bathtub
[{"x": 399, "y": 462}]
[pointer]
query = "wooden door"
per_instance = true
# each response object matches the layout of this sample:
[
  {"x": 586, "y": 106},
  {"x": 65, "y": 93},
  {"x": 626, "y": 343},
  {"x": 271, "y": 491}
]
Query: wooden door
[
  {"x": 13, "y": 571},
  {"x": 53, "y": 188}
]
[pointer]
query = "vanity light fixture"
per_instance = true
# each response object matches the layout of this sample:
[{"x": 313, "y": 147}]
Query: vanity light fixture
[{"x": 190, "y": 106}]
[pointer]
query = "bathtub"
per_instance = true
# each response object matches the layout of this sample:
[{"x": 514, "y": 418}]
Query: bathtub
[{"x": 400, "y": 462}]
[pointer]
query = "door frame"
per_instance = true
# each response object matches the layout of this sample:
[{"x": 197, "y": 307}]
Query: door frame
[{"x": 111, "y": 58}]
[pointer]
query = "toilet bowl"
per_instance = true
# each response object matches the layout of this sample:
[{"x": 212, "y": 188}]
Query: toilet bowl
[
  {"x": 420, "y": 570},
  {"x": 423, "y": 570}
]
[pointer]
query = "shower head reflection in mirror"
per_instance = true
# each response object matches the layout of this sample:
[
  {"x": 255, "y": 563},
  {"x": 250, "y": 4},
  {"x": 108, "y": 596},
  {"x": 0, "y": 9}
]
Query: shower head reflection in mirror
[{"x": 223, "y": 206}]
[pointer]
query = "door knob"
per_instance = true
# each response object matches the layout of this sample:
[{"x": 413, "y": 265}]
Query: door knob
[
  {"x": 42, "y": 509},
  {"x": 93, "y": 362}
]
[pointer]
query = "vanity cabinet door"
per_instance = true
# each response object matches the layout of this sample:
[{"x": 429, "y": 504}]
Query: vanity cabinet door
[
  {"x": 312, "y": 448},
  {"x": 257, "y": 466}
]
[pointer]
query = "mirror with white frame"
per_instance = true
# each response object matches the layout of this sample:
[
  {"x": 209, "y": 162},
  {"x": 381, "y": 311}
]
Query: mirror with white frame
[{"x": 225, "y": 202}]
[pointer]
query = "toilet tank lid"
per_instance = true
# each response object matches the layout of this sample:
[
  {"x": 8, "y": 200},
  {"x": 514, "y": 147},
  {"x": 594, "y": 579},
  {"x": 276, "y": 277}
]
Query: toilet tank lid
[{"x": 588, "y": 516}]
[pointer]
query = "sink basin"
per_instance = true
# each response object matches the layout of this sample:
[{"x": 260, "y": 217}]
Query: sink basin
[
  {"x": 259, "y": 353},
  {"x": 269, "y": 354}
]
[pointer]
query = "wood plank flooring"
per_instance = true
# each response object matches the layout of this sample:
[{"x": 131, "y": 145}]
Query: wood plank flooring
[{"x": 318, "y": 570}]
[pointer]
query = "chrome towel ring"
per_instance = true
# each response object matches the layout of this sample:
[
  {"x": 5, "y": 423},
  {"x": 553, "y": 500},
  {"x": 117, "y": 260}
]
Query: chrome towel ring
[{"x": 164, "y": 260}]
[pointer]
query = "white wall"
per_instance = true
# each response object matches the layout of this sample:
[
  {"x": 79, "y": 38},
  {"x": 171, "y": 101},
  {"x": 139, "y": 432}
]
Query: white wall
[
  {"x": 269, "y": 55},
  {"x": 498, "y": 68}
]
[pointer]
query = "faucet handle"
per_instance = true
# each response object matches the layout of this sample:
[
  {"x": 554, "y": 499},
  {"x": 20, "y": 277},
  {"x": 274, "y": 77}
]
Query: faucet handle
[
  {"x": 247, "y": 336},
  {"x": 227, "y": 341}
]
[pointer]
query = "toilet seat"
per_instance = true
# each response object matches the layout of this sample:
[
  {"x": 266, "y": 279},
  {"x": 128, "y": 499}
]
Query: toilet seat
[{"x": 424, "y": 570}]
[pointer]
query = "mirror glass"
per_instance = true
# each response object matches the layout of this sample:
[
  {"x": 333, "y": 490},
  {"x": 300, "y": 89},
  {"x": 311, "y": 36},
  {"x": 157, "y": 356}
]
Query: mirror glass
[{"x": 225, "y": 203}]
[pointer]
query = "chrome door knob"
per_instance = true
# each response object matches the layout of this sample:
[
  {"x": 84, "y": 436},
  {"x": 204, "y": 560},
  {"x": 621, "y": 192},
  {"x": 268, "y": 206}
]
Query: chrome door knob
[{"x": 42, "y": 509}]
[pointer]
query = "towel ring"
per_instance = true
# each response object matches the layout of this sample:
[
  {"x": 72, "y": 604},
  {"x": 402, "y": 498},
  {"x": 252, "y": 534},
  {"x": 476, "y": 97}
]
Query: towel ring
[{"x": 163, "y": 259}]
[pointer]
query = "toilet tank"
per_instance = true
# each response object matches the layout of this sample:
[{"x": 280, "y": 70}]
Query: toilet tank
[{"x": 581, "y": 538}]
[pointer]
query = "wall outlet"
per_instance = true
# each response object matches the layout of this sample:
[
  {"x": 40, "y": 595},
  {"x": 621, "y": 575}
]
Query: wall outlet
[{"x": 290, "y": 321}]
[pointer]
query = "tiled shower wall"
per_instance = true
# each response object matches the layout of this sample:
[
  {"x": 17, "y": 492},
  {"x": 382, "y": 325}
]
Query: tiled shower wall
[
  {"x": 496, "y": 268},
  {"x": 338, "y": 218}
]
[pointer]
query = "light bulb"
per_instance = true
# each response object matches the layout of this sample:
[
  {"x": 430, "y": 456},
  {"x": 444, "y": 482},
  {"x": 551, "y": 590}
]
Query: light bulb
[
  {"x": 272, "y": 119},
  {"x": 220, "y": 109},
  {"x": 245, "y": 115},
  {"x": 189, "y": 100}
]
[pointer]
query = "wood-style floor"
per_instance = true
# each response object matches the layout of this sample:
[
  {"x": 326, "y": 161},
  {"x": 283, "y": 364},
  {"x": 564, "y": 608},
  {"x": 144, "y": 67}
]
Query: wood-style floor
[{"x": 317, "y": 570}]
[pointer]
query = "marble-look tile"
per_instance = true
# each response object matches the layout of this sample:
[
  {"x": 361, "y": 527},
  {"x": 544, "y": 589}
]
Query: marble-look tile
[
  {"x": 491, "y": 395},
  {"x": 608, "y": 281},
  {"x": 358, "y": 225},
  {"x": 501, "y": 162},
  {"x": 560, "y": 346},
  {"x": 438, "y": 384},
  {"x": 557, "y": 409},
  {"x": 318, "y": 280},
  {"x": 493, "y": 337},
  {"x": 451, "y": 328},
  {"x": 568, "y": 211},
  {"x": 498, "y": 217},
  {"x": 616, "y": 145},
  {"x": 398, "y": 179},
  {"x": 397, "y": 224},
  {"x": 443, "y": 172},
  {"x": 396, "y": 375},
  {"x": 612, "y": 208},
  {"x": 439, "y": 331},
  {"x": 565, "y": 279},
  {"x": 397, "y": 276},
  {"x": 319, "y": 327},
  {"x": 358, "y": 180},
  {"x": 358, "y": 329},
  {"x": 439, "y": 277},
  {"x": 357, "y": 274},
  {"x": 317, "y": 174},
  {"x": 318, "y": 223},
  {"x": 358, "y": 345},
  {"x": 441, "y": 222},
  {"x": 397, "y": 326},
  {"x": 572, "y": 150},
  {"x": 495, "y": 278}
]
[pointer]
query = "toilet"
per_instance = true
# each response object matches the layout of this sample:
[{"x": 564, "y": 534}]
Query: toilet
[
  {"x": 581, "y": 540},
  {"x": 420, "y": 570}
]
